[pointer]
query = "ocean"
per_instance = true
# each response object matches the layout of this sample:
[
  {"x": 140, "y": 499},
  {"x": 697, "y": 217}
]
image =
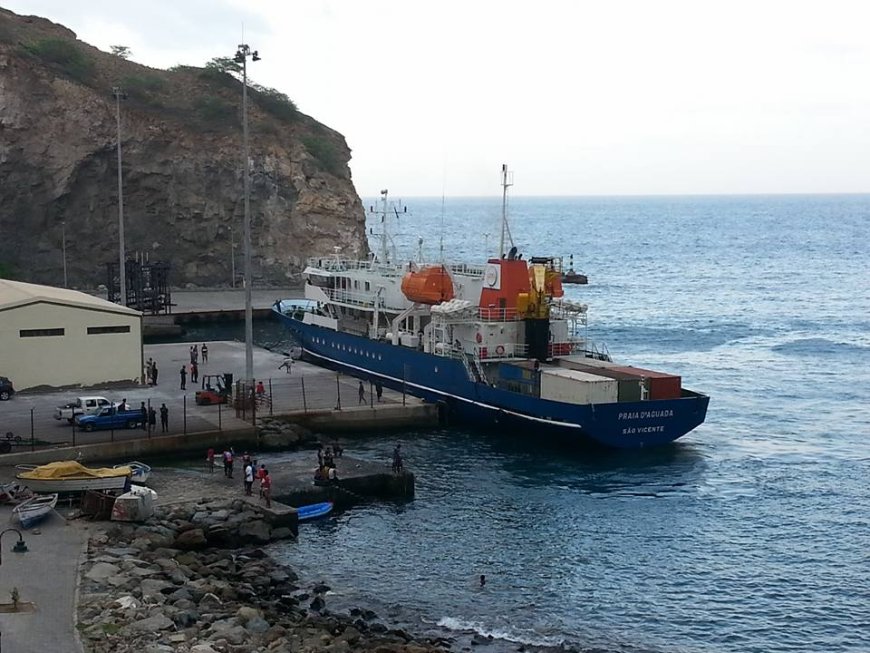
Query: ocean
[{"x": 750, "y": 534}]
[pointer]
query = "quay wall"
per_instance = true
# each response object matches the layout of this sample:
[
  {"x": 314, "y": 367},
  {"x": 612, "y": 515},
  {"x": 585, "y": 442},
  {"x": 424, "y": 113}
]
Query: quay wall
[{"x": 329, "y": 422}]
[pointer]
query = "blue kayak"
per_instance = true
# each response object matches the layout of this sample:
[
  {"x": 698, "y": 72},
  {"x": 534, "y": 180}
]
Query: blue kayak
[{"x": 314, "y": 510}]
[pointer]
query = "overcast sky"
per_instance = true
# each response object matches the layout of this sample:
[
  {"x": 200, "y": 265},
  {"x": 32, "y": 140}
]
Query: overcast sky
[{"x": 578, "y": 97}]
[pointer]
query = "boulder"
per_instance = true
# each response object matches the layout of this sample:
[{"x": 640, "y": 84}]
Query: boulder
[{"x": 191, "y": 540}]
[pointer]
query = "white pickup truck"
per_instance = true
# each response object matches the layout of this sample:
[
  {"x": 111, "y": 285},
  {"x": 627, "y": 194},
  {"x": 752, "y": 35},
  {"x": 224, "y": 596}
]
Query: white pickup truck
[{"x": 81, "y": 406}]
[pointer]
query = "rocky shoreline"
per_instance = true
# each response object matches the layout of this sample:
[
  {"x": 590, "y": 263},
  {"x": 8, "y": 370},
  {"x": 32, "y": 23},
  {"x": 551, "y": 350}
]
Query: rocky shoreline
[{"x": 193, "y": 580}]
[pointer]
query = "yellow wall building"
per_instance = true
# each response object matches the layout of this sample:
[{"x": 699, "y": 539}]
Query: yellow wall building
[{"x": 58, "y": 337}]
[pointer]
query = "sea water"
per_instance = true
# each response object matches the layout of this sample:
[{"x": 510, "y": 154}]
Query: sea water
[{"x": 750, "y": 534}]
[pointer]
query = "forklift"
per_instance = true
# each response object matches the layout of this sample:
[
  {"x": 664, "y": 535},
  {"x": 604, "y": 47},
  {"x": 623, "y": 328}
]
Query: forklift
[{"x": 216, "y": 389}]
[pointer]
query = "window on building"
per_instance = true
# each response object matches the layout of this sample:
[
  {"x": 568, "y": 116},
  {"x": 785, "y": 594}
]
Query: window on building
[
  {"x": 39, "y": 333},
  {"x": 92, "y": 331}
]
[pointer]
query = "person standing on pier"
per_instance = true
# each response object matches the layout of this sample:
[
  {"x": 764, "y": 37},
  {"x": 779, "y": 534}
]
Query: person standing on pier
[
  {"x": 183, "y": 374},
  {"x": 379, "y": 390},
  {"x": 164, "y": 419},
  {"x": 397, "y": 459},
  {"x": 204, "y": 350},
  {"x": 194, "y": 372},
  {"x": 154, "y": 373},
  {"x": 266, "y": 488},
  {"x": 152, "y": 420},
  {"x": 249, "y": 478},
  {"x": 144, "y": 411},
  {"x": 362, "y": 393}
]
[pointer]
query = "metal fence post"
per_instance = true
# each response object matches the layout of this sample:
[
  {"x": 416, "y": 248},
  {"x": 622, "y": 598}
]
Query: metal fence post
[
  {"x": 184, "y": 409},
  {"x": 338, "y": 391},
  {"x": 371, "y": 395},
  {"x": 404, "y": 368},
  {"x": 32, "y": 440},
  {"x": 220, "y": 422},
  {"x": 304, "y": 401},
  {"x": 254, "y": 406},
  {"x": 148, "y": 418},
  {"x": 271, "y": 396}
]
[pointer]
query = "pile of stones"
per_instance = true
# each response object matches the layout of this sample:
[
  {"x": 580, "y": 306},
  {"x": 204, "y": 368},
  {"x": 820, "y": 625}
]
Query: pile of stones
[
  {"x": 179, "y": 584},
  {"x": 278, "y": 433}
]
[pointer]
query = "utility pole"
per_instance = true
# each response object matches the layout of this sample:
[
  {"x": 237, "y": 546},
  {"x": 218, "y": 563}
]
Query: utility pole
[
  {"x": 63, "y": 247},
  {"x": 122, "y": 270},
  {"x": 241, "y": 57}
]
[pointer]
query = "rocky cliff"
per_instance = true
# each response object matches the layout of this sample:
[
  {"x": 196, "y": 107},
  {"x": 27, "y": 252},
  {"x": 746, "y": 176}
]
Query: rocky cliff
[{"x": 181, "y": 142}]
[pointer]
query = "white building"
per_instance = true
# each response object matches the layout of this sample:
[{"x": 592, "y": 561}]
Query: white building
[{"x": 58, "y": 337}]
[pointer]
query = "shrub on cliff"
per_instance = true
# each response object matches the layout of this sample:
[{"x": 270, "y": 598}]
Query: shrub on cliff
[
  {"x": 214, "y": 111},
  {"x": 144, "y": 87},
  {"x": 64, "y": 57},
  {"x": 322, "y": 150},
  {"x": 274, "y": 102}
]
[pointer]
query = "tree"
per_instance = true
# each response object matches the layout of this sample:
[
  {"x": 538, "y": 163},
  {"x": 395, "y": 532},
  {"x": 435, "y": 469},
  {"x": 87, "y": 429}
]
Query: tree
[
  {"x": 225, "y": 65},
  {"x": 120, "y": 51}
]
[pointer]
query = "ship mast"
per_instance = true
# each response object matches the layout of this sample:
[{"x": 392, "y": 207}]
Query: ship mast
[
  {"x": 384, "y": 226},
  {"x": 507, "y": 180}
]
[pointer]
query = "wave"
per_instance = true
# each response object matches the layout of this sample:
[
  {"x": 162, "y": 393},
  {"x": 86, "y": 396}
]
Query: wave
[
  {"x": 475, "y": 627},
  {"x": 820, "y": 346}
]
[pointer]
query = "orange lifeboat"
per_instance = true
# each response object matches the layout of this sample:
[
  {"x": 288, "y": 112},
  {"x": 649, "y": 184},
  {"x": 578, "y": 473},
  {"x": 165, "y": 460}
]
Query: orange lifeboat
[{"x": 428, "y": 285}]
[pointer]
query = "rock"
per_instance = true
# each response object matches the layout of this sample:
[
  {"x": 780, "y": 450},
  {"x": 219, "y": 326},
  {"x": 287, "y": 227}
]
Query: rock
[
  {"x": 151, "y": 624},
  {"x": 102, "y": 571},
  {"x": 193, "y": 539},
  {"x": 257, "y": 625},
  {"x": 317, "y": 604},
  {"x": 282, "y": 533},
  {"x": 202, "y": 648},
  {"x": 255, "y": 531},
  {"x": 154, "y": 588},
  {"x": 209, "y": 600}
]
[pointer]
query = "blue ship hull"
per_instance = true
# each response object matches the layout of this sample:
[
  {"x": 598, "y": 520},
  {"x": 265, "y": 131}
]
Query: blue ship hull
[{"x": 437, "y": 379}]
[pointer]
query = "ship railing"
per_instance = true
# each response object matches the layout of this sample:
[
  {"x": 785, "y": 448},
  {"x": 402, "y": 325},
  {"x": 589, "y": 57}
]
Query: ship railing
[
  {"x": 357, "y": 298},
  {"x": 496, "y": 314},
  {"x": 340, "y": 264}
]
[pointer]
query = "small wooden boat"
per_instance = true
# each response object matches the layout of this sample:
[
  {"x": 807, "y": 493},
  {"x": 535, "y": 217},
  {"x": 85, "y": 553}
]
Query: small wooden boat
[
  {"x": 141, "y": 471},
  {"x": 314, "y": 510},
  {"x": 13, "y": 492},
  {"x": 70, "y": 476},
  {"x": 34, "y": 509}
]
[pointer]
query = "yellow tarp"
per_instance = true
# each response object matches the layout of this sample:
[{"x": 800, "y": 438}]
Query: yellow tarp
[{"x": 72, "y": 469}]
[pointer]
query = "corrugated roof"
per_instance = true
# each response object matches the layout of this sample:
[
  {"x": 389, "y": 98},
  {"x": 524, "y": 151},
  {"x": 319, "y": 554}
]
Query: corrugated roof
[{"x": 18, "y": 293}]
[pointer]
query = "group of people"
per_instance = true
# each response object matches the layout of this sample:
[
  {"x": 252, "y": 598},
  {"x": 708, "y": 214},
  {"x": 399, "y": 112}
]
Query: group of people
[
  {"x": 379, "y": 392},
  {"x": 149, "y": 416},
  {"x": 195, "y": 352},
  {"x": 326, "y": 470},
  {"x": 249, "y": 470},
  {"x": 151, "y": 372}
]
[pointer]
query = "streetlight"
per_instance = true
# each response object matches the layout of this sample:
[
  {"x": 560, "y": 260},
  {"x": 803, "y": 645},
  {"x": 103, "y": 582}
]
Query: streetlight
[
  {"x": 232, "y": 257},
  {"x": 20, "y": 547},
  {"x": 241, "y": 57},
  {"x": 63, "y": 247},
  {"x": 122, "y": 280}
]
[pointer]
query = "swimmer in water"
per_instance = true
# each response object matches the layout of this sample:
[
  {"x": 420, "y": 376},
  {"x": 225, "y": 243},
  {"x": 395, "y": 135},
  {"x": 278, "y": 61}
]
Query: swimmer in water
[{"x": 482, "y": 580}]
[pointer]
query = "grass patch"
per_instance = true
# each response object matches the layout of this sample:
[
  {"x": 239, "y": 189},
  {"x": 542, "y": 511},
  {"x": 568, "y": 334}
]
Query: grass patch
[{"x": 64, "y": 57}]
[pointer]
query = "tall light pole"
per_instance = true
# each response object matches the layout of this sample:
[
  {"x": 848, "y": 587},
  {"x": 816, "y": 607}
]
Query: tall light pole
[
  {"x": 63, "y": 247},
  {"x": 241, "y": 57},
  {"x": 122, "y": 270},
  {"x": 232, "y": 258}
]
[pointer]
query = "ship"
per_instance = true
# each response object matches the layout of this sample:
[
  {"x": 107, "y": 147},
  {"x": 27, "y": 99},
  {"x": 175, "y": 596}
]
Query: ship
[{"x": 494, "y": 344}]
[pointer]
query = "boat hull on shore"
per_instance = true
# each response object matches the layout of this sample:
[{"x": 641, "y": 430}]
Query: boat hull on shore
[{"x": 71, "y": 477}]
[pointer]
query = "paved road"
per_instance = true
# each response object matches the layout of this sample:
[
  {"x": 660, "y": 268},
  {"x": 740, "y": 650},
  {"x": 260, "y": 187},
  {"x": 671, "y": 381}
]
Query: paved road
[
  {"x": 45, "y": 575},
  {"x": 306, "y": 387}
]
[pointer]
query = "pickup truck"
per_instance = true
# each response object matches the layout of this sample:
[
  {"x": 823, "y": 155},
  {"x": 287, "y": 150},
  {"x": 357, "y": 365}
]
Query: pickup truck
[
  {"x": 110, "y": 418},
  {"x": 81, "y": 406}
]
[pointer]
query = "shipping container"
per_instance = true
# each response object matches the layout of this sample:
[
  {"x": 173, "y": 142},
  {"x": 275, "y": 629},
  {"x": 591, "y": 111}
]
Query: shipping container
[
  {"x": 661, "y": 385},
  {"x": 575, "y": 387},
  {"x": 630, "y": 385}
]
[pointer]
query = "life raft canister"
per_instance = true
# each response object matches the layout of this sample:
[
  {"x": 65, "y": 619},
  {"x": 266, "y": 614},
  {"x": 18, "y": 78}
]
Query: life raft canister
[{"x": 499, "y": 350}]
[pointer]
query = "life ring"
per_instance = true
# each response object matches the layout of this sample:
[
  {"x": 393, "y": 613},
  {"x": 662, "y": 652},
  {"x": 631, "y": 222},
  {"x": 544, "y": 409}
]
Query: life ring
[
  {"x": 479, "y": 338},
  {"x": 499, "y": 350}
]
